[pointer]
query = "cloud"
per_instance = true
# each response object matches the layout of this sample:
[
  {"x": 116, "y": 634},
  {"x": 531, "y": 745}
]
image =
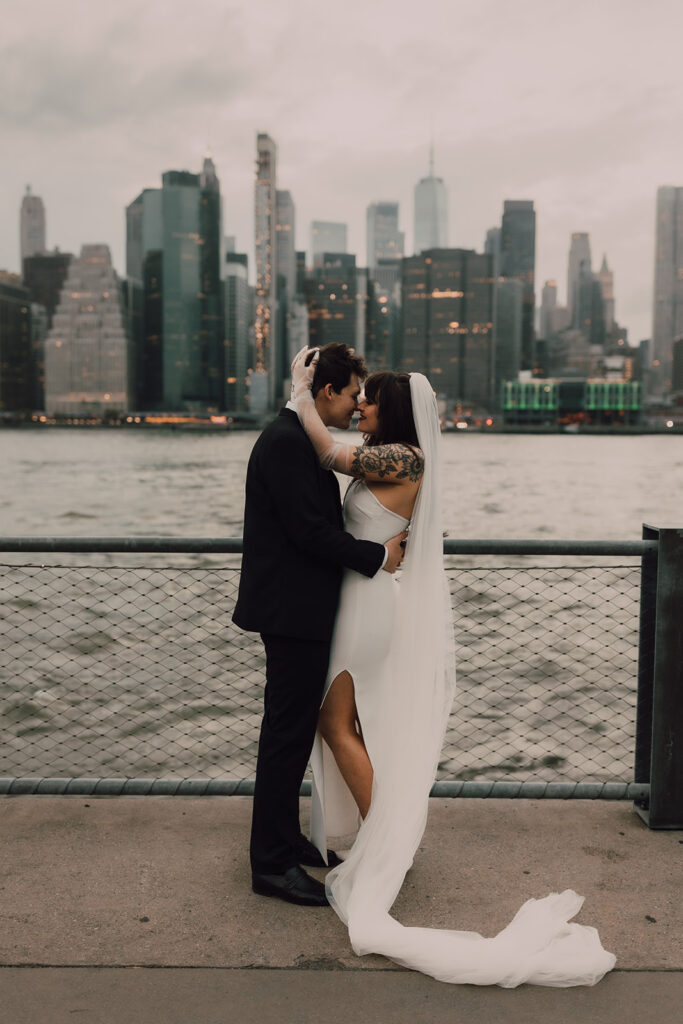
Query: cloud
[
  {"x": 577, "y": 108},
  {"x": 58, "y": 86}
]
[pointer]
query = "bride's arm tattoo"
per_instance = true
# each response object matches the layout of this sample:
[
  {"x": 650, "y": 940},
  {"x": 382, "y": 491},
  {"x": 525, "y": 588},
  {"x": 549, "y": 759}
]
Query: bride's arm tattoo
[{"x": 387, "y": 462}]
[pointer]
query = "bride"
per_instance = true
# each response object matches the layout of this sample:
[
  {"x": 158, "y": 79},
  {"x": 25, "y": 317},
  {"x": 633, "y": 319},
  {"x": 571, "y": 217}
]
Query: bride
[{"x": 386, "y": 704}]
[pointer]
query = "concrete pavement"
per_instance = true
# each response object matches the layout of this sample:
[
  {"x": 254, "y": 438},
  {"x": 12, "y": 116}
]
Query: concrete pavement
[{"x": 139, "y": 908}]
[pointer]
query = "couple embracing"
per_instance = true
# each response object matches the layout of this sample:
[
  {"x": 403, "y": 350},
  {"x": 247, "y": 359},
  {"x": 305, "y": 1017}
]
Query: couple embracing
[{"x": 360, "y": 672}]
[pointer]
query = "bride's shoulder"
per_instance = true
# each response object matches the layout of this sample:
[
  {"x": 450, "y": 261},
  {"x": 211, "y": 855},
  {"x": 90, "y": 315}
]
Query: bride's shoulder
[{"x": 395, "y": 462}]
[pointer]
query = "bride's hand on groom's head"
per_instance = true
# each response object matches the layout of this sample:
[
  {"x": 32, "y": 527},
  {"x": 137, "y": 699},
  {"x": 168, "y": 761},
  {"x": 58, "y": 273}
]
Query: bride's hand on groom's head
[{"x": 303, "y": 371}]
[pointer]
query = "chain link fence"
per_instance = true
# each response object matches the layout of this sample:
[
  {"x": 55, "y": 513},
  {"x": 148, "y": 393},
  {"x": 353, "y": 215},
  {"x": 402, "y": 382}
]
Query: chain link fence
[{"x": 137, "y": 672}]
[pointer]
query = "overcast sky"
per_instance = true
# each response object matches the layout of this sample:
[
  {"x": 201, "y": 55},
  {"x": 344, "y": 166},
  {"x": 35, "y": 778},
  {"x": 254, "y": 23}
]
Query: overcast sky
[{"x": 577, "y": 105}]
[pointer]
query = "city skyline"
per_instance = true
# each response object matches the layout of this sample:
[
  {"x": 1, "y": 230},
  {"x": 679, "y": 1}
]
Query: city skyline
[{"x": 90, "y": 116}]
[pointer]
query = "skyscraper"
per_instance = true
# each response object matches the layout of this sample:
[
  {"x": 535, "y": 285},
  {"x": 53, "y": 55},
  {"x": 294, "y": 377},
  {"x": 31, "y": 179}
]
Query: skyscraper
[
  {"x": 383, "y": 316},
  {"x": 447, "y": 323},
  {"x": 326, "y": 236},
  {"x": 44, "y": 275},
  {"x": 518, "y": 260},
  {"x": 492, "y": 248},
  {"x": 507, "y": 331},
  {"x": 668, "y": 289},
  {"x": 285, "y": 240},
  {"x": 144, "y": 231},
  {"x": 32, "y": 225},
  {"x": 431, "y": 211},
  {"x": 237, "y": 323},
  {"x": 384, "y": 240},
  {"x": 265, "y": 327},
  {"x": 210, "y": 384},
  {"x": 16, "y": 356},
  {"x": 548, "y": 304},
  {"x": 86, "y": 350},
  {"x": 332, "y": 301},
  {"x": 173, "y": 245},
  {"x": 606, "y": 280},
  {"x": 285, "y": 260},
  {"x": 589, "y": 306},
  {"x": 579, "y": 254}
]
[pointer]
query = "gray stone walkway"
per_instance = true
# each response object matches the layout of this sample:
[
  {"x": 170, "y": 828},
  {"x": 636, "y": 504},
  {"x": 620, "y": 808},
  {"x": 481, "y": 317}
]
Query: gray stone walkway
[{"x": 139, "y": 909}]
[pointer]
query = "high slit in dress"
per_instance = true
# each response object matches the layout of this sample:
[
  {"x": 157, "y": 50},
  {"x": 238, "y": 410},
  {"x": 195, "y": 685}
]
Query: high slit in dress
[{"x": 363, "y": 635}]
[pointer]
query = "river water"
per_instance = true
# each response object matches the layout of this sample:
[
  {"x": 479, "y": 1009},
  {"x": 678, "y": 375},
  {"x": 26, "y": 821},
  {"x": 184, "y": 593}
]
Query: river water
[
  {"x": 61, "y": 482},
  {"x": 119, "y": 665}
]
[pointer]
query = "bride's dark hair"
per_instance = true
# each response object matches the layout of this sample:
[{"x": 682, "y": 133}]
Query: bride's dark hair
[{"x": 395, "y": 423}]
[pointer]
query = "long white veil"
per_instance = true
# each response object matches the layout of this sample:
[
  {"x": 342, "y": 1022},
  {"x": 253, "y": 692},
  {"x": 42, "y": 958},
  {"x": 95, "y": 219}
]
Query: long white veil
[{"x": 417, "y": 692}]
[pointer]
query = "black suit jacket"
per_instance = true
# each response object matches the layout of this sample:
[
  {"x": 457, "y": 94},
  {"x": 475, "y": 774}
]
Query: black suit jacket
[{"x": 295, "y": 547}]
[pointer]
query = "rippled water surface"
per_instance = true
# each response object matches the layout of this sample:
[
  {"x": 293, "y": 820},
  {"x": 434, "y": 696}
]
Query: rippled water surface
[
  {"x": 118, "y": 483},
  {"x": 131, "y": 665}
]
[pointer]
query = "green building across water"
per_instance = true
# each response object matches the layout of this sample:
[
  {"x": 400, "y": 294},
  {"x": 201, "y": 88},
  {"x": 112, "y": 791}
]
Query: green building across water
[{"x": 590, "y": 402}]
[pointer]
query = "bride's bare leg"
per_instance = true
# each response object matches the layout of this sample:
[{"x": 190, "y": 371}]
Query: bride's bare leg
[{"x": 338, "y": 726}]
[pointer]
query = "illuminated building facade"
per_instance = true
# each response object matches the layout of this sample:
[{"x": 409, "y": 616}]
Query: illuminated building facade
[
  {"x": 384, "y": 240},
  {"x": 285, "y": 225},
  {"x": 555, "y": 402},
  {"x": 266, "y": 362},
  {"x": 668, "y": 286},
  {"x": 16, "y": 356},
  {"x": 32, "y": 225},
  {"x": 86, "y": 350},
  {"x": 237, "y": 312},
  {"x": 383, "y": 320},
  {"x": 332, "y": 298},
  {"x": 431, "y": 212},
  {"x": 285, "y": 253},
  {"x": 518, "y": 260},
  {"x": 447, "y": 323}
]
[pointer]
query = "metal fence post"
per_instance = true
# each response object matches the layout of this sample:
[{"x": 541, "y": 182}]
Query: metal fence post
[
  {"x": 666, "y": 753},
  {"x": 646, "y": 660}
]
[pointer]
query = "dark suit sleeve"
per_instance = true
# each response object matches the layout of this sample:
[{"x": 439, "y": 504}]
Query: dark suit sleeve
[{"x": 291, "y": 477}]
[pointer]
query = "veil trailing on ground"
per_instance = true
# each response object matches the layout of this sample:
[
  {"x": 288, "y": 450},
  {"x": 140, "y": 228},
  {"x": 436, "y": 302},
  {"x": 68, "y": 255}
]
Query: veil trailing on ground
[{"x": 416, "y": 692}]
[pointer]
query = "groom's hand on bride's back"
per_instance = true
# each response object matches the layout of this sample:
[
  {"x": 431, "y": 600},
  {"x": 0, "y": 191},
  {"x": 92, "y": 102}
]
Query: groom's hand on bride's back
[{"x": 396, "y": 549}]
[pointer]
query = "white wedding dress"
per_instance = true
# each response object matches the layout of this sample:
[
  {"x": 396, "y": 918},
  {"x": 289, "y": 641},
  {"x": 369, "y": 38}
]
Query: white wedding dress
[{"x": 394, "y": 636}]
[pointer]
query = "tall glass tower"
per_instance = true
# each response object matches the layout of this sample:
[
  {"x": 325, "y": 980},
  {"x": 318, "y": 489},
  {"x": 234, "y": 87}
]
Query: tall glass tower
[
  {"x": 32, "y": 225},
  {"x": 579, "y": 265},
  {"x": 173, "y": 246},
  {"x": 667, "y": 324},
  {"x": 383, "y": 238},
  {"x": 518, "y": 260},
  {"x": 265, "y": 240},
  {"x": 431, "y": 211}
]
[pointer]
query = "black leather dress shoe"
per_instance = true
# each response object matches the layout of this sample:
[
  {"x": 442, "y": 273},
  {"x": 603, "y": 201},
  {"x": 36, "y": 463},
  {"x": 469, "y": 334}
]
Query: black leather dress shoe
[
  {"x": 294, "y": 886},
  {"x": 314, "y": 860},
  {"x": 310, "y": 855}
]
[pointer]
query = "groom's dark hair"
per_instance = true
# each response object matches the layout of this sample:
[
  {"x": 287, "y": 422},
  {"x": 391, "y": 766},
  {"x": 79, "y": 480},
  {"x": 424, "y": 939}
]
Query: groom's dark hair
[{"x": 336, "y": 364}]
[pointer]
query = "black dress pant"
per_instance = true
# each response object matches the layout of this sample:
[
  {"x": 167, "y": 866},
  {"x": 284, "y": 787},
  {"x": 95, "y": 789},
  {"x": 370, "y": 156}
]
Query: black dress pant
[{"x": 295, "y": 677}]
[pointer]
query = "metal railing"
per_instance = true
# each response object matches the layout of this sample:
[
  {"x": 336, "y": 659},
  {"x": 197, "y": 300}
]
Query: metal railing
[{"x": 133, "y": 679}]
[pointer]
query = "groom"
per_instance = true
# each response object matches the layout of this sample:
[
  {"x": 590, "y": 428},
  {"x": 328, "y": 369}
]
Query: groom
[{"x": 294, "y": 553}]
